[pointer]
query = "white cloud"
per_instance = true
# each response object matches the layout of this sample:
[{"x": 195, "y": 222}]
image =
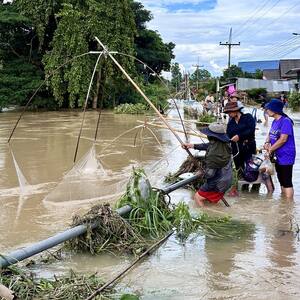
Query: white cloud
[{"x": 198, "y": 33}]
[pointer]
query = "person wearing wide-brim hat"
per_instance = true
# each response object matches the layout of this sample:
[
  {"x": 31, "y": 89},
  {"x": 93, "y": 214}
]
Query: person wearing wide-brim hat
[
  {"x": 234, "y": 97},
  {"x": 281, "y": 142},
  {"x": 241, "y": 131},
  {"x": 218, "y": 171}
]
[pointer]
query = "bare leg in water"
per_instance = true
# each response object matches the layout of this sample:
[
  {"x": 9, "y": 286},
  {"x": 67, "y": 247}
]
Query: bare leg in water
[{"x": 199, "y": 200}]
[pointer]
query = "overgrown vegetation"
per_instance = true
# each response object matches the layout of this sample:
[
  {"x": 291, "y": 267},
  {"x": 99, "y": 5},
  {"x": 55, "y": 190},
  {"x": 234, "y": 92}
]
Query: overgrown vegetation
[
  {"x": 128, "y": 108},
  {"x": 38, "y": 37},
  {"x": 294, "y": 101},
  {"x": 69, "y": 287},
  {"x": 206, "y": 118},
  {"x": 254, "y": 93}
]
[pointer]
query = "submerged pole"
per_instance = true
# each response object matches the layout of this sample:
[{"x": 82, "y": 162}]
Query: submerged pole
[
  {"x": 182, "y": 183},
  {"x": 26, "y": 252}
]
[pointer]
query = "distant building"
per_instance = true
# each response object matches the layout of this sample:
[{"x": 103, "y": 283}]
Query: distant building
[
  {"x": 271, "y": 74},
  {"x": 285, "y": 65},
  {"x": 252, "y": 66},
  {"x": 273, "y": 69}
]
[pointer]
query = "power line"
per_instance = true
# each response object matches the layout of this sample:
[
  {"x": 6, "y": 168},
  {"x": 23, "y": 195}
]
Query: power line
[
  {"x": 252, "y": 15},
  {"x": 278, "y": 48},
  {"x": 259, "y": 17}
]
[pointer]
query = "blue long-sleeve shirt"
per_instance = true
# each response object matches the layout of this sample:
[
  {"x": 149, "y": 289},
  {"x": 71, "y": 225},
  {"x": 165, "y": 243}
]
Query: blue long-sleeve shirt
[{"x": 245, "y": 128}]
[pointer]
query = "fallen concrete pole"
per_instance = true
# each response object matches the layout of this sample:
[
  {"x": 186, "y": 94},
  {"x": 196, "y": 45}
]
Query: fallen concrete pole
[{"x": 26, "y": 252}]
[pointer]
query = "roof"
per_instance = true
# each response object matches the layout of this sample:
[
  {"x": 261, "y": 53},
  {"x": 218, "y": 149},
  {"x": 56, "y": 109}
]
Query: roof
[
  {"x": 271, "y": 74},
  {"x": 252, "y": 66},
  {"x": 286, "y": 65},
  {"x": 293, "y": 71}
]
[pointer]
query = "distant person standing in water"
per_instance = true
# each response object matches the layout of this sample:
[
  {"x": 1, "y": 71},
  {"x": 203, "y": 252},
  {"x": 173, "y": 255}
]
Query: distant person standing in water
[
  {"x": 264, "y": 102},
  {"x": 281, "y": 143}
]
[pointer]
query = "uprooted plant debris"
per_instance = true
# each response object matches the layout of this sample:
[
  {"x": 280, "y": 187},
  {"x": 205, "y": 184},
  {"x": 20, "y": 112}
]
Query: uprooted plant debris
[
  {"x": 72, "y": 286},
  {"x": 150, "y": 218},
  {"x": 112, "y": 233},
  {"x": 190, "y": 165}
]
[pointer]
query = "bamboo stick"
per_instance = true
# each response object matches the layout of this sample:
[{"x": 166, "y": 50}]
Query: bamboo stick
[
  {"x": 143, "y": 95},
  {"x": 147, "y": 252},
  {"x": 85, "y": 105},
  {"x": 200, "y": 135}
]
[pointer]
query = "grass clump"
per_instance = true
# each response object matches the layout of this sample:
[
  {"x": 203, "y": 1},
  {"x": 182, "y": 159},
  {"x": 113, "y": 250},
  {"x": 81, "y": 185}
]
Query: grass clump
[
  {"x": 111, "y": 234},
  {"x": 206, "y": 118},
  {"x": 129, "y": 108},
  {"x": 69, "y": 287}
]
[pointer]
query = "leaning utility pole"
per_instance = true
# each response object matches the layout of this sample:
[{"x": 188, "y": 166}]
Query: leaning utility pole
[
  {"x": 229, "y": 44},
  {"x": 197, "y": 72}
]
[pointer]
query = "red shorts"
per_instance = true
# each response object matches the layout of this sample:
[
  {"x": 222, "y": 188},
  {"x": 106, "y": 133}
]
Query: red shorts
[{"x": 213, "y": 197}]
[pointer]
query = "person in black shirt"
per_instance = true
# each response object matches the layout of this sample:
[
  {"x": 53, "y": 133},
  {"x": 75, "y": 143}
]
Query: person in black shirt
[
  {"x": 264, "y": 101},
  {"x": 241, "y": 131}
]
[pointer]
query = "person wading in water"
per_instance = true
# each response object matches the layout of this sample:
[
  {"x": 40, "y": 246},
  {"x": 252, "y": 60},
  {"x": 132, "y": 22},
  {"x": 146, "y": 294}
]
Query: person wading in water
[
  {"x": 218, "y": 164},
  {"x": 241, "y": 131},
  {"x": 281, "y": 142}
]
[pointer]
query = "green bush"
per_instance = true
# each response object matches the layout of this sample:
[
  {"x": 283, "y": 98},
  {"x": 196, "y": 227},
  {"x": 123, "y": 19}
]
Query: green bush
[
  {"x": 254, "y": 93},
  {"x": 294, "y": 100},
  {"x": 129, "y": 108},
  {"x": 206, "y": 118}
]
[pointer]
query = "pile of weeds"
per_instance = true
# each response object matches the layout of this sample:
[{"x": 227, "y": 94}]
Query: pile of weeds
[
  {"x": 150, "y": 214},
  {"x": 72, "y": 286},
  {"x": 206, "y": 118},
  {"x": 111, "y": 234},
  {"x": 151, "y": 217},
  {"x": 190, "y": 165},
  {"x": 220, "y": 228},
  {"x": 154, "y": 216}
]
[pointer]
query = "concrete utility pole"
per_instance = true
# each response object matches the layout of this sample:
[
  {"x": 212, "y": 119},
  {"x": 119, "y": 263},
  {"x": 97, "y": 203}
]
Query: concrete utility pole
[
  {"x": 197, "y": 73},
  {"x": 229, "y": 44}
]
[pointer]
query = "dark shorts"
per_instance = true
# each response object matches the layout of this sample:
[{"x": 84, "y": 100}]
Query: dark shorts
[{"x": 284, "y": 175}]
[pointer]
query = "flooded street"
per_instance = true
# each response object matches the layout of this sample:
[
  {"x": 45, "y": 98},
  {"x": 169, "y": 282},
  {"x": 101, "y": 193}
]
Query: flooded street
[{"x": 262, "y": 266}]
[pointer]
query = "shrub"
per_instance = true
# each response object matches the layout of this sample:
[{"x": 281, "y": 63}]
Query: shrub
[
  {"x": 128, "y": 108},
  {"x": 294, "y": 100},
  {"x": 254, "y": 93}
]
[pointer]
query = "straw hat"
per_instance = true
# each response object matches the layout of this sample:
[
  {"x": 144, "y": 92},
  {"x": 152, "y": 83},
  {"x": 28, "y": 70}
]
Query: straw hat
[
  {"x": 232, "y": 106},
  {"x": 217, "y": 131}
]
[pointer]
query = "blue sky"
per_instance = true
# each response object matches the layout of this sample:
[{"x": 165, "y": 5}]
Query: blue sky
[{"x": 264, "y": 28}]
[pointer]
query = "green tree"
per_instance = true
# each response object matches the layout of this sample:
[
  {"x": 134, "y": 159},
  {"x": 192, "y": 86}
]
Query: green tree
[
  {"x": 113, "y": 23},
  {"x": 149, "y": 45},
  {"x": 176, "y": 75},
  {"x": 198, "y": 76},
  {"x": 20, "y": 67},
  {"x": 232, "y": 72}
]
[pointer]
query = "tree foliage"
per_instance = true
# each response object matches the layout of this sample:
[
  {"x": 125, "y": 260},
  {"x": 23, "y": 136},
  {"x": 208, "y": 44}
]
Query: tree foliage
[
  {"x": 200, "y": 75},
  {"x": 149, "y": 45},
  {"x": 51, "y": 33},
  {"x": 176, "y": 75},
  {"x": 20, "y": 70}
]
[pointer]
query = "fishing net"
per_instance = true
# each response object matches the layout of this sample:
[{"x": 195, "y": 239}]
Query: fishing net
[
  {"x": 87, "y": 181},
  {"x": 24, "y": 185}
]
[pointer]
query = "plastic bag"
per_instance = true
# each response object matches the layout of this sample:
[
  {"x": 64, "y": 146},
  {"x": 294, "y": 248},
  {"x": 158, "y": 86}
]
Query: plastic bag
[{"x": 267, "y": 167}]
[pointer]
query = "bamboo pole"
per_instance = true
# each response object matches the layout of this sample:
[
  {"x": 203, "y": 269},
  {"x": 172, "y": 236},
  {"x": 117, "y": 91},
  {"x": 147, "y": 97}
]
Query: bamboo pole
[
  {"x": 147, "y": 252},
  {"x": 173, "y": 100},
  {"x": 176, "y": 130},
  {"x": 85, "y": 105},
  {"x": 143, "y": 95}
]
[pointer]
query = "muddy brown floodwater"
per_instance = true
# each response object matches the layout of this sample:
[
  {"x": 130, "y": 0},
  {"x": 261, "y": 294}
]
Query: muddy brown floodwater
[{"x": 262, "y": 266}]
